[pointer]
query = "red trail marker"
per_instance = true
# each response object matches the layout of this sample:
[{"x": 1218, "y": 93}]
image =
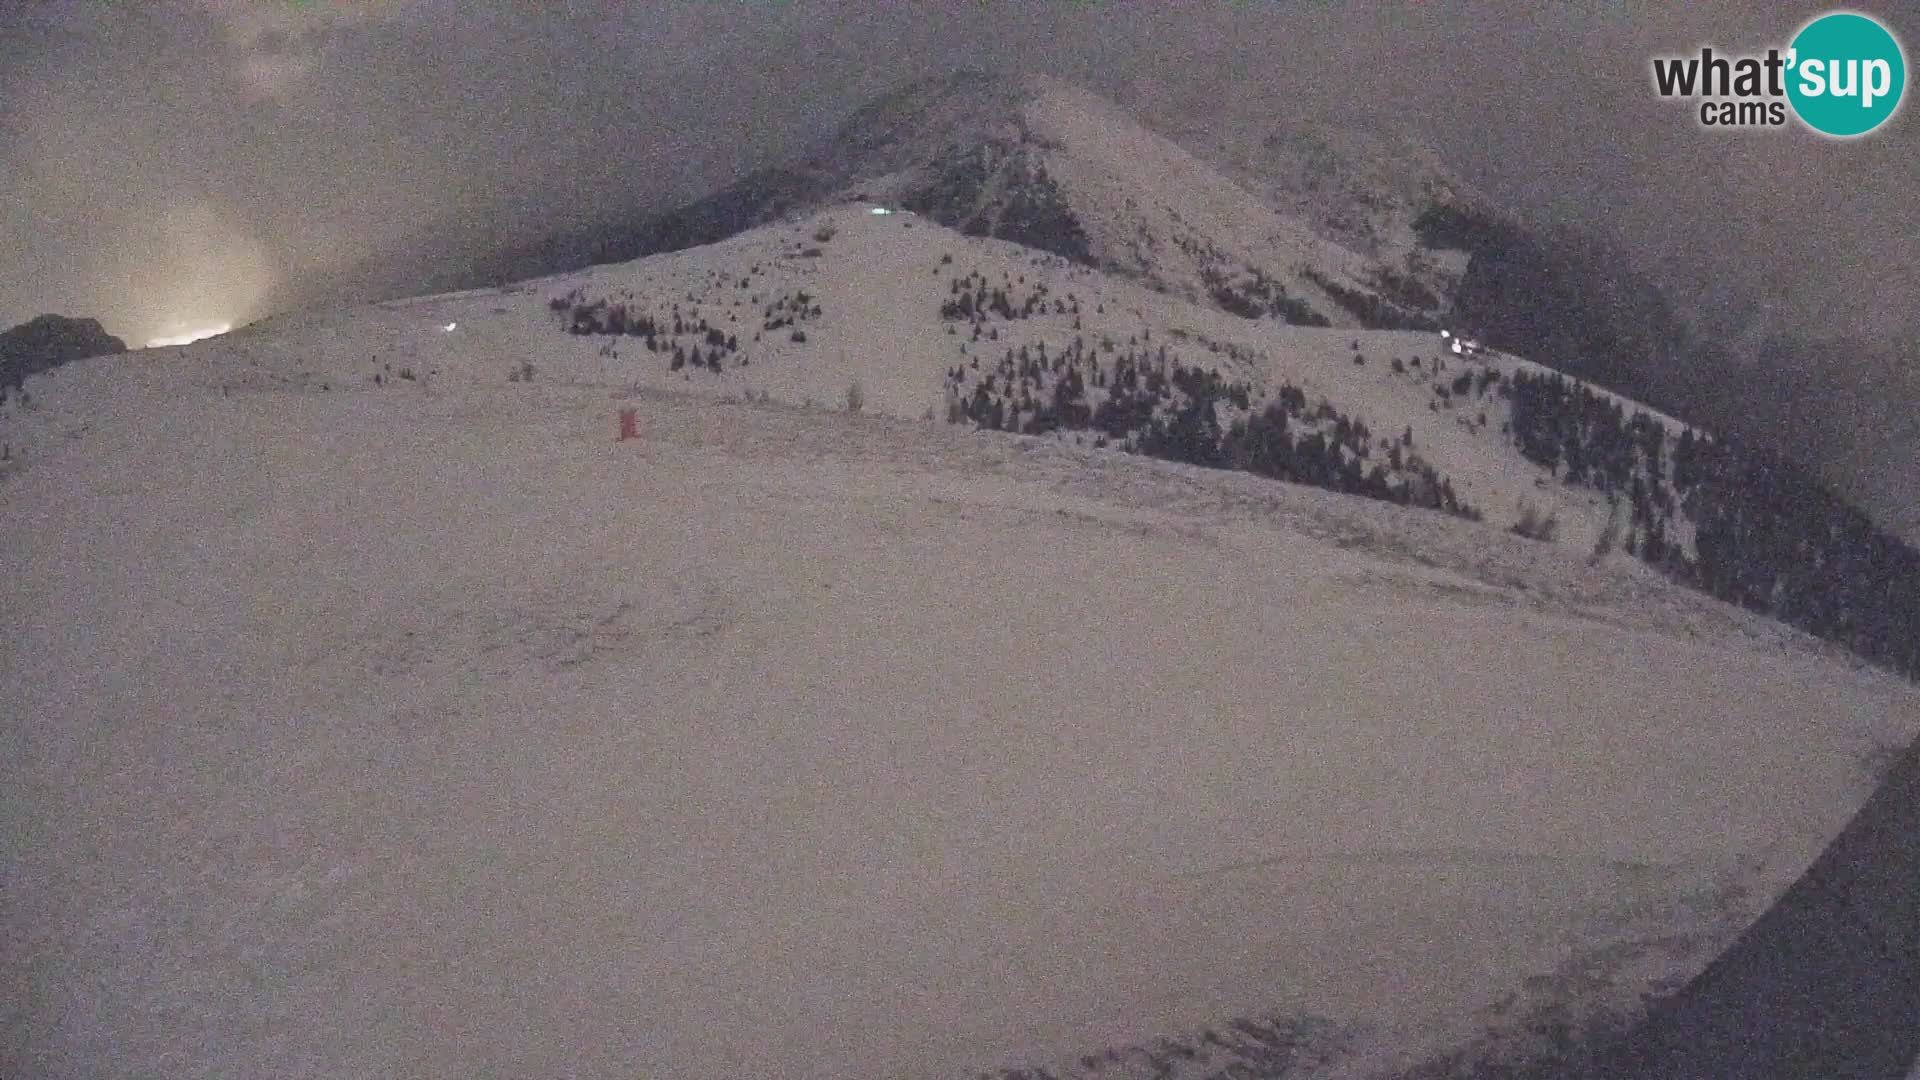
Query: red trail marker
[{"x": 629, "y": 425}]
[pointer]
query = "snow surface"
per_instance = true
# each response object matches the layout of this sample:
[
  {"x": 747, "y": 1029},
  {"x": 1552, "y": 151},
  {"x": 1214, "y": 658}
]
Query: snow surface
[
  {"x": 1149, "y": 185},
  {"x": 1361, "y": 189},
  {"x": 880, "y": 282},
  {"x": 424, "y": 729},
  {"x": 404, "y": 733}
]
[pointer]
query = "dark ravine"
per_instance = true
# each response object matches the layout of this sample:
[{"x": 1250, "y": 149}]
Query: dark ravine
[{"x": 1561, "y": 300}]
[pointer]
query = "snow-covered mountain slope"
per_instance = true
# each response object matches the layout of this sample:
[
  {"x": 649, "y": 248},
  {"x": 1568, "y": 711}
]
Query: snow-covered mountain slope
[
  {"x": 1361, "y": 189},
  {"x": 1050, "y": 165},
  {"x": 422, "y": 728},
  {"x": 927, "y": 321},
  {"x": 930, "y": 323}
]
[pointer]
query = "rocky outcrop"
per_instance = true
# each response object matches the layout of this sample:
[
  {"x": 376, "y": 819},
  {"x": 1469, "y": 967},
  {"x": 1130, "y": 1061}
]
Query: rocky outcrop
[{"x": 47, "y": 341}]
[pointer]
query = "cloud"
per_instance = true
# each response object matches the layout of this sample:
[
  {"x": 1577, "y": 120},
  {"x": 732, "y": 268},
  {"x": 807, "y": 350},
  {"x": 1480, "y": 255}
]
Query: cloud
[
  {"x": 278, "y": 45},
  {"x": 192, "y": 265}
]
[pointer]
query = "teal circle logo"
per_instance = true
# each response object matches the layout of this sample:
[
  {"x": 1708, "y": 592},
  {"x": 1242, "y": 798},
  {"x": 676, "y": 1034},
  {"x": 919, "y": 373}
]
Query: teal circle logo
[{"x": 1846, "y": 74}]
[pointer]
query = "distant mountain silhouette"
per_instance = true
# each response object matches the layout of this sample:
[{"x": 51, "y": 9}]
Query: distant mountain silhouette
[{"x": 47, "y": 341}]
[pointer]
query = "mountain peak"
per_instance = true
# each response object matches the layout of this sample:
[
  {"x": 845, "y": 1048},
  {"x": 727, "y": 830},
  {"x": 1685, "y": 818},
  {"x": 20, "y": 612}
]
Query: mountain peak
[
  {"x": 1051, "y": 165},
  {"x": 961, "y": 104}
]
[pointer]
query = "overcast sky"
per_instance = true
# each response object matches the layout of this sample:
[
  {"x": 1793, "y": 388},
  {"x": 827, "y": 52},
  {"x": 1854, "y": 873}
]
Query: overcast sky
[{"x": 180, "y": 159}]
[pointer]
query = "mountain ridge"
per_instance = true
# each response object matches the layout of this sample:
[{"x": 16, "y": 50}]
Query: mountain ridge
[{"x": 923, "y": 321}]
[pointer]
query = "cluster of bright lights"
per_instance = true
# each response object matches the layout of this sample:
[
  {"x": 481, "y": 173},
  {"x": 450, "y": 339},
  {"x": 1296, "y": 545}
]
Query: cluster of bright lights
[
  {"x": 190, "y": 336},
  {"x": 1461, "y": 346}
]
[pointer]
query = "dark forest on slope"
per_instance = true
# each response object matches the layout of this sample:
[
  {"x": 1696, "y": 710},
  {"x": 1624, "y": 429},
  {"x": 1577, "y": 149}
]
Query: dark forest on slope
[
  {"x": 1770, "y": 535},
  {"x": 1767, "y": 535}
]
